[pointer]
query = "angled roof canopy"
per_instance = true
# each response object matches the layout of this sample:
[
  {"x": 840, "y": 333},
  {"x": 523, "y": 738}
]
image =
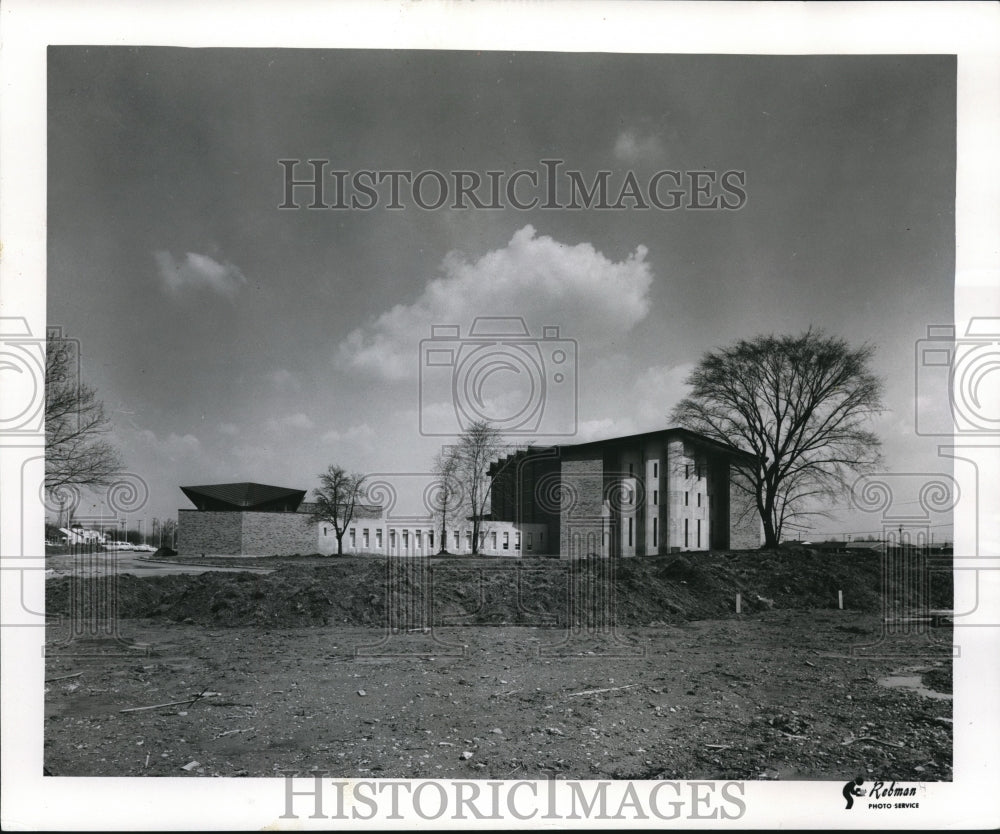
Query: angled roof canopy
[{"x": 245, "y": 496}]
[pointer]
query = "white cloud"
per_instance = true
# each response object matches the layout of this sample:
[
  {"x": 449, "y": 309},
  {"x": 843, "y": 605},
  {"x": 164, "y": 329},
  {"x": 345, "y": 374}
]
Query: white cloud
[
  {"x": 198, "y": 272},
  {"x": 282, "y": 378},
  {"x": 173, "y": 447},
  {"x": 631, "y": 147},
  {"x": 297, "y": 421},
  {"x": 591, "y": 298},
  {"x": 354, "y": 434}
]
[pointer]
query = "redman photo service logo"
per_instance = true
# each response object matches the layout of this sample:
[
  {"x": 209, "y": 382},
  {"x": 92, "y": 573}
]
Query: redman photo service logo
[{"x": 881, "y": 795}]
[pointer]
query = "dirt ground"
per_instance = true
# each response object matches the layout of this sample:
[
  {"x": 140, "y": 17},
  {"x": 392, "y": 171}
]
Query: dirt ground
[{"x": 771, "y": 694}]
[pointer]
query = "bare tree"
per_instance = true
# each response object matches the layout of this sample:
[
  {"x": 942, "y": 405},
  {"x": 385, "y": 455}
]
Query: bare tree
[
  {"x": 801, "y": 405},
  {"x": 449, "y": 496},
  {"x": 478, "y": 446},
  {"x": 336, "y": 500},
  {"x": 76, "y": 450}
]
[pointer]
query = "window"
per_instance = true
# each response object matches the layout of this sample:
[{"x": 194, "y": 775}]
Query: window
[
  {"x": 517, "y": 540},
  {"x": 687, "y": 470},
  {"x": 699, "y": 499},
  {"x": 506, "y": 541},
  {"x": 406, "y": 539},
  {"x": 655, "y": 531},
  {"x": 468, "y": 540},
  {"x": 529, "y": 542},
  {"x": 365, "y": 537},
  {"x": 541, "y": 538},
  {"x": 656, "y": 497},
  {"x": 493, "y": 540},
  {"x": 686, "y": 496},
  {"x": 378, "y": 538},
  {"x": 456, "y": 540},
  {"x": 353, "y": 541},
  {"x": 630, "y": 532},
  {"x": 686, "y": 525},
  {"x": 699, "y": 533},
  {"x": 430, "y": 539},
  {"x": 656, "y": 469},
  {"x": 324, "y": 531},
  {"x": 392, "y": 538}
]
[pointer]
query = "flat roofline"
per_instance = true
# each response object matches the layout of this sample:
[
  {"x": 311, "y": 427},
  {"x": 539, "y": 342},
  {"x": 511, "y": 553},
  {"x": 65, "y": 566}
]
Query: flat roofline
[{"x": 672, "y": 430}]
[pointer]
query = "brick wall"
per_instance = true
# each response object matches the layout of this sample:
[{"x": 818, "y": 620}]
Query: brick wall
[
  {"x": 210, "y": 533},
  {"x": 581, "y": 519},
  {"x": 278, "y": 534},
  {"x": 745, "y": 533},
  {"x": 245, "y": 533}
]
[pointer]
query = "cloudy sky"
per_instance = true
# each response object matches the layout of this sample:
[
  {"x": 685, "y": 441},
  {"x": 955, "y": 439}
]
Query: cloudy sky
[{"x": 232, "y": 340}]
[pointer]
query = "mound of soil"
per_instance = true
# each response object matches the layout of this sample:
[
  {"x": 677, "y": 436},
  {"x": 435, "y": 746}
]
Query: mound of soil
[{"x": 407, "y": 594}]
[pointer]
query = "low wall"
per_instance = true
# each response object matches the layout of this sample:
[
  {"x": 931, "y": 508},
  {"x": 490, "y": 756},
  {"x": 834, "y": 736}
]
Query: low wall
[{"x": 244, "y": 533}]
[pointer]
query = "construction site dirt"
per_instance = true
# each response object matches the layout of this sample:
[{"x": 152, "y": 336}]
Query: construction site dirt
[{"x": 463, "y": 669}]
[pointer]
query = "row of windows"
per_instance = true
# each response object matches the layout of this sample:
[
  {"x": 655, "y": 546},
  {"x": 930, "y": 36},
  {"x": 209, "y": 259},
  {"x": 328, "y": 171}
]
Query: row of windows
[
  {"x": 688, "y": 468},
  {"x": 419, "y": 536},
  {"x": 630, "y": 497},
  {"x": 687, "y": 532}
]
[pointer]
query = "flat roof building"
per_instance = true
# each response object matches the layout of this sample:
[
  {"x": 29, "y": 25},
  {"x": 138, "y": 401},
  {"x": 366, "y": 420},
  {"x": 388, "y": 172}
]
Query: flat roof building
[
  {"x": 644, "y": 494},
  {"x": 657, "y": 492}
]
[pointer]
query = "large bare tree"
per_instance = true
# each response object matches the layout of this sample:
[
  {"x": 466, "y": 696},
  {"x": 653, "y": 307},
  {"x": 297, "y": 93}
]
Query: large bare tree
[
  {"x": 336, "y": 500},
  {"x": 802, "y": 405},
  {"x": 77, "y": 452}
]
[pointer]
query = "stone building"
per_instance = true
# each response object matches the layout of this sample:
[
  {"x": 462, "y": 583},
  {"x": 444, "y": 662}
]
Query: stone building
[
  {"x": 249, "y": 519},
  {"x": 659, "y": 492}
]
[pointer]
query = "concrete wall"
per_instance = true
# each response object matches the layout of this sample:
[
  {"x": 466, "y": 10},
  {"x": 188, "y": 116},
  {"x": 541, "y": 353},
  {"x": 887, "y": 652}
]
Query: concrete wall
[{"x": 690, "y": 491}]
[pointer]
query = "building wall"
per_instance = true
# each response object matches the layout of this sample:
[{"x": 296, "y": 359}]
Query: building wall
[
  {"x": 410, "y": 538},
  {"x": 745, "y": 528},
  {"x": 209, "y": 533},
  {"x": 244, "y": 533},
  {"x": 690, "y": 490},
  {"x": 583, "y": 520},
  {"x": 277, "y": 534}
]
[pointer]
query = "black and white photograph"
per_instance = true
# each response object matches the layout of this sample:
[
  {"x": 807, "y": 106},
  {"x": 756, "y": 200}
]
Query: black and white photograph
[{"x": 549, "y": 433}]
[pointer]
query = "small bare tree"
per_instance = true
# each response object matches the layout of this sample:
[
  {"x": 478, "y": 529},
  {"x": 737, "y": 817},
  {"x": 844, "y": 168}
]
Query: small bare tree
[
  {"x": 801, "y": 406},
  {"x": 449, "y": 496},
  {"x": 77, "y": 452},
  {"x": 336, "y": 500},
  {"x": 478, "y": 446}
]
